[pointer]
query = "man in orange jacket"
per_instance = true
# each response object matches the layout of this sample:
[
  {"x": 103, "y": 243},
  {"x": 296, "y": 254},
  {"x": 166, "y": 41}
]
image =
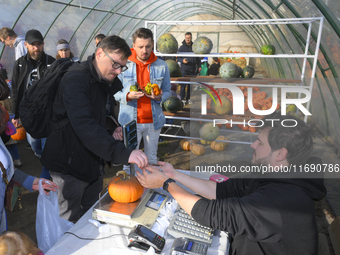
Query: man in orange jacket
[{"x": 143, "y": 67}]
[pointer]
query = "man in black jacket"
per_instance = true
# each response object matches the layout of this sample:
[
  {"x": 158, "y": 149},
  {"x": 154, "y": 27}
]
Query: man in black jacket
[
  {"x": 271, "y": 213},
  {"x": 189, "y": 66},
  {"x": 75, "y": 153},
  {"x": 27, "y": 69}
]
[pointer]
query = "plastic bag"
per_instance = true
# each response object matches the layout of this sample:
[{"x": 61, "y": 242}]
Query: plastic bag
[{"x": 49, "y": 225}]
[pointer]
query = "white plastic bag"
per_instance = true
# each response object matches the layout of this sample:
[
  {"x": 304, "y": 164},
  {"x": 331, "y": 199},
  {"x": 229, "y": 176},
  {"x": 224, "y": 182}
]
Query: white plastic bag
[{"x": 49, "y": 225}]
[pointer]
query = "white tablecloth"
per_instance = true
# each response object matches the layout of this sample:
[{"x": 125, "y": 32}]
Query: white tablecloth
[{"x": 116, "y": 241}]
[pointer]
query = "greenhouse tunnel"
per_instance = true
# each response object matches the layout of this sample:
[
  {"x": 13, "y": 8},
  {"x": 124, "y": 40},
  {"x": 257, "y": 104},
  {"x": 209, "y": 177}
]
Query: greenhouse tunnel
[
  {"x": 310, "y": 28},
  {"x": 78, "y": 21}
]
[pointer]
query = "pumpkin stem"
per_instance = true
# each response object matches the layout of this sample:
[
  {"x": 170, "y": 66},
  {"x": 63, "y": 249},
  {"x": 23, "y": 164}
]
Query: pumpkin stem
[{"x": 126, "y": 176}]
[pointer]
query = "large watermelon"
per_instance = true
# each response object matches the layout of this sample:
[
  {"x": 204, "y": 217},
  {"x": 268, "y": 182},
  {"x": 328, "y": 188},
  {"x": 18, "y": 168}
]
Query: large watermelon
[
  {"x": 202, "y": 45},
  {"x": 167, "y": 43},
  {"x": 175, "y": 70},
  {"x": 248, "y": 71},
  {"x": 173, "y": 104},
  {"x": 268, "y": 49},
  {"x": 229, "y": 70}
]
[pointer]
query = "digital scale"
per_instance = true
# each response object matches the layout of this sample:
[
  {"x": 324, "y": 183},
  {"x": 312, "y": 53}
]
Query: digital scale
[{"x": 144, "y": 211}]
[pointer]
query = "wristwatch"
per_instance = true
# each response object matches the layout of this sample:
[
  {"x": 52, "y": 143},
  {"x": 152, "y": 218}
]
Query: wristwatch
[{"x": 166, "y": 184}]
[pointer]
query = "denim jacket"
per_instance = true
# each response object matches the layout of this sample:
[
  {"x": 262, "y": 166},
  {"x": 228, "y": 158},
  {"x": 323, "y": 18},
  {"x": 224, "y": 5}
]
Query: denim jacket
[{"x": 159, "y": 74}]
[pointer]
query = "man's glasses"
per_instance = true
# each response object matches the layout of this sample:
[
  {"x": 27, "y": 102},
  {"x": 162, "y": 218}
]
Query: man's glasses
[{"x": 116, "y": 65}]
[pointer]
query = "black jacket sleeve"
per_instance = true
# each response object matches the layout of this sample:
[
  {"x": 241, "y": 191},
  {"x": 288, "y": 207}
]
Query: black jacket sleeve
[{"x": 15, "y": 86}]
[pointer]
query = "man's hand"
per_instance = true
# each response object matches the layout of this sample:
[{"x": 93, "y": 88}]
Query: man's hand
[
  {"x": 153, "y": 180},
  {"x": 139, "y": 158},
  {"x": 47, "y": 185},
  {"x": 135, "y": 95},
  {"x": 167, "y": 169},
  {"x": 15, "y": 122},
  {"x": 152, "y": 96},
  {"x": 118, "y": 133},
  {"x": 185, "y": 61},
  {"x": 199, "y": 69}
]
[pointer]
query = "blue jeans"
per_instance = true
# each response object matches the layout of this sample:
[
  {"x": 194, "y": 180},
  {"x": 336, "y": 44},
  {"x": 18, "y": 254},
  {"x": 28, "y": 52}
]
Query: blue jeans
[
  {"x": 13, "y": 149},
  {"x": 38, "y": 146}
]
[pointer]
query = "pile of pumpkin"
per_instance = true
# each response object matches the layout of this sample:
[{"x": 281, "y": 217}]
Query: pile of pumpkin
[
  {"x": 209, "y": 134},
  {"x": 260, "y": 102}
]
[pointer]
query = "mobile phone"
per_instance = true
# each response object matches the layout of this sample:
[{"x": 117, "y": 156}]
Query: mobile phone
[
  {"x": 142, "y": 237},
  {"x": 182, "y": 246}
]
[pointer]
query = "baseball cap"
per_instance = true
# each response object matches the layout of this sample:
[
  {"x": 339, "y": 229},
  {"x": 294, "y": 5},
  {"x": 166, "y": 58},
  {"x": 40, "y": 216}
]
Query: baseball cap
[
  {"x": 33, "y": 36},
  {"x": 204, "y": 59}
]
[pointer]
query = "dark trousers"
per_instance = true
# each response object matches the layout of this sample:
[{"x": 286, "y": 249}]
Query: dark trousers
[
  {"x": 183, "y": 86},
  {"x": 75, "y": 197}
]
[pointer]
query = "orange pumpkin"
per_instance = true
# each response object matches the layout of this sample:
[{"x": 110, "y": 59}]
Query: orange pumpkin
[
  {"x": 125, "y": 188},
  {"x": 197, "y": 149},
  {"x": 219, "y": 146},
  {"x": 156, "y": 89},
  {"x": 20, "y": 134},
  {"x": 123, "y": 208},
  {"x": 185, "y": 144}
]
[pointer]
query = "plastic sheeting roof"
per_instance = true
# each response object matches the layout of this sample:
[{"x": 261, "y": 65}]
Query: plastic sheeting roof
[{"x": 78, "y": 21}]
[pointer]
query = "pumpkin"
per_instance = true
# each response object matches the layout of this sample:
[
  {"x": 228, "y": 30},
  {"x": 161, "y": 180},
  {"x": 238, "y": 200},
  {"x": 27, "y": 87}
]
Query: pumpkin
[
  {"x": 202, "y": 45},
  {"x": 209, "y": 132},
  {"x": 173, "y": 104},
  {"x": 156, "y": 89},
  {"x": 268, "y": 49},
  {"x": 223, "y": 109},
  {"x": 219, "y": 146},
  {"x": 20, "y": 134},
  {"x": 228, "y": 70},
  {"x": 167, "y": 43},
  {"x": 124, "y": 188},
  {"x": 133, "y": 88},
  {"x": 174, "y": 68},
  {"x": 185, "y": 144},
  {"x": 240, "y": 72},
  {"x": 191, "y": 128},
  {"x": 291, "y": 109},
  {"x": 248, "y": 71},
  {"x": 197, "y": 149}
]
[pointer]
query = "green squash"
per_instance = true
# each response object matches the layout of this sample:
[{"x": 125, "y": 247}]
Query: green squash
[
  {"x": 173, "y": 104},
  {"x": 229, "y": 70},
  {"x": 202, "y": 45},
  {"x": 223, "y": 109},
  {"x": 208, "y": 132},
  {"x": 167, "y": 44},
  {"x": 248, "y": 71},
  {"x": 174, "y": 69},
  {"x": 268, "y": 49},
  {"x": 240, "y": 72}
]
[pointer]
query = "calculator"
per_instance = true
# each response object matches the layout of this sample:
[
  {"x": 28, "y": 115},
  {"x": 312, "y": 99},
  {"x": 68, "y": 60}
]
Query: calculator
[
  {"x": 183, "y": 225},
  {"x": 184, "y": 246}
]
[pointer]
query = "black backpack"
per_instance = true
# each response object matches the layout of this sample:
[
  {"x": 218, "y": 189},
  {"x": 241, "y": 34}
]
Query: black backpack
[{"x": 36, "y": 106}]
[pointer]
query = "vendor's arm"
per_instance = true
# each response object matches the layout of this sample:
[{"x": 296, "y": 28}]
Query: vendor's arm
[
  {"x": 202, "y": 187},
  {"x": 155, "y": 179}
]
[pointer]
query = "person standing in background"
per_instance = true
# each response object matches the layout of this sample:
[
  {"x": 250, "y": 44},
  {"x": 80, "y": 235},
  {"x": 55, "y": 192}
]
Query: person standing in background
[
  {"x": 189, "y": 66},
  {"x": 215, "y": 67},
  {"x": 27, "y": 69},
  {"x": 64, "y": 51},
  {"x": 11, "y": 39},
  {"x": 98, "y": 38}
]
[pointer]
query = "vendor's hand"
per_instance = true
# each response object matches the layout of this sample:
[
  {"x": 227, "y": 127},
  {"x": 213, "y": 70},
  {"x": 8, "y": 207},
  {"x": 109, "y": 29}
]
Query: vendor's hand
[
  {"x": 15, "y": 122},
  {"x": 135, "y": 95},
  {"x": 139, "y": 158},
  {"x": 185, "y": 61},
  {"x": 118, "y": 133},
  {"x": 154, "y": 97},
  {"x": 47, "y": 185},
  {"x": 167, "y": 169},
  {"x": 153, "y": 179}
]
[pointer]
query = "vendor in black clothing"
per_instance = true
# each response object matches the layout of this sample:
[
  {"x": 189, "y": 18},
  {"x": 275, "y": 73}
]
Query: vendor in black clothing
[
  {"x": 215, "y": 67},
  {"x": 265, "y": 215}
]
